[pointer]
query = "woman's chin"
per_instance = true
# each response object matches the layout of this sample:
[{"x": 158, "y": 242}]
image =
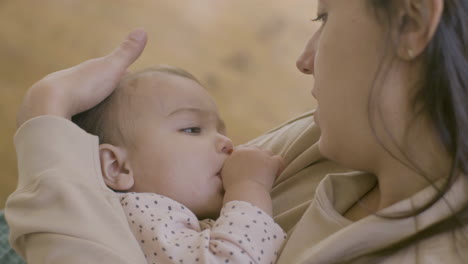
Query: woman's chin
[
  {"x": 325, "y": 150},
  {"x": 316, "y": 118},
  {"x": 321, "y": 147}
]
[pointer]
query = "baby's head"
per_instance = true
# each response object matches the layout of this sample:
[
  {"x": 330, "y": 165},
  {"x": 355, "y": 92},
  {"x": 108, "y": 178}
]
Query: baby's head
[{"x": 160, "y": 132}]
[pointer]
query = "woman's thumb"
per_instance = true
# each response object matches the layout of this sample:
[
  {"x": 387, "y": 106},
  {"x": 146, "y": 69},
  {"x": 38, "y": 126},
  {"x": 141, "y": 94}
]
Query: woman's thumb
[{"x": 129, "y": 50}]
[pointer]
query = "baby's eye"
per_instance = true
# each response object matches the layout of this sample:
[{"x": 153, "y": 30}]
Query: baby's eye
[{"x": 192, "y": 130}]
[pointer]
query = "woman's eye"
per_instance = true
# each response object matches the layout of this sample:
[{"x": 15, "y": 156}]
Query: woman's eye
[
  {"x": 192, "y": 130},
  {"x": 321, "y": 18}
]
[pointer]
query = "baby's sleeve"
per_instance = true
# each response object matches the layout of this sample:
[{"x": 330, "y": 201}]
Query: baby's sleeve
[{"x": 170, "y": 233}]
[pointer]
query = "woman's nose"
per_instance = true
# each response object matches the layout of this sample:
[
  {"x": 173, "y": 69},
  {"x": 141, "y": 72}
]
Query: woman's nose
[
  {"x": 224, "y": 145},
  {"x": 305, "y": 62}
]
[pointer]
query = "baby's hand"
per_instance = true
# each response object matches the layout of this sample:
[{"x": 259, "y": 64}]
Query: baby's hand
[
  {"x": 79, "y": 88},
  {"x": 251, "y": 165}
]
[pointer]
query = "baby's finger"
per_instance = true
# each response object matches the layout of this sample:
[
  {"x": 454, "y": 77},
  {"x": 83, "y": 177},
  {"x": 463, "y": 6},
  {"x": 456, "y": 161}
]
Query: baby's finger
[
  {"x": 126, "y": 73},
  {"x": 269, "y": 152},
  {"x": 281, "y": 164}
]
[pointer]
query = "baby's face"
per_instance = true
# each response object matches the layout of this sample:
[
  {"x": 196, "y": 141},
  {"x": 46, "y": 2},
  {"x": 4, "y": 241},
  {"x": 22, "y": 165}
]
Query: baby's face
[{"x": 179, "y": 142}]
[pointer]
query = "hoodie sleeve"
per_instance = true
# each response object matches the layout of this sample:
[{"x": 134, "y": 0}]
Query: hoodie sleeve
[{"x": 61, "y": 211}]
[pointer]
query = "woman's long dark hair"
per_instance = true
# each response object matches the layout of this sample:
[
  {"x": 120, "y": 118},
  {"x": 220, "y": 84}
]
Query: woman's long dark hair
[{"x": 443, "y": 97}]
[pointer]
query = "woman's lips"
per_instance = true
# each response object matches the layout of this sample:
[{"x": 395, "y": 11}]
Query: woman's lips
[{"x": 313, "y": 94}]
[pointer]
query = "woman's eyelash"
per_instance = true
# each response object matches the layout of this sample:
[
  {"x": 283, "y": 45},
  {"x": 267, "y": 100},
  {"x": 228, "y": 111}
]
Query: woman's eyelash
[{"x": 321, "y": 18}]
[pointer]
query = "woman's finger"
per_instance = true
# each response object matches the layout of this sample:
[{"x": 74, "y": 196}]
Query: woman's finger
[{"x": 129, "y": 50}]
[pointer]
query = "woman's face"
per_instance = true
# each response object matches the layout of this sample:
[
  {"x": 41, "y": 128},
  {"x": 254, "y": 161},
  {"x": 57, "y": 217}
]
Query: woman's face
[{"x": 344, "y": 56}]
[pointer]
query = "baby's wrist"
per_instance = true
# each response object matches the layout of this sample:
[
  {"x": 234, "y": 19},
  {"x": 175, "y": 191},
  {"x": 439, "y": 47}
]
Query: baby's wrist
[
  {"x": 247, "y": 185},
  {"x": 250, "y": 191}
]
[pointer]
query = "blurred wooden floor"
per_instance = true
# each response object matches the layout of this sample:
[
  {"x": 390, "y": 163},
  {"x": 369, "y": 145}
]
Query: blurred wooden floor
[{"x": 243, "y": 50}]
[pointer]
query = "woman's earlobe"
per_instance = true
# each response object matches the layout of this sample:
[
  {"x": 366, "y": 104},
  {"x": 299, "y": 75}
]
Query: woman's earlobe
[
  {"x": 115, "y": 167},
  {"x": 418, "y": 22}
]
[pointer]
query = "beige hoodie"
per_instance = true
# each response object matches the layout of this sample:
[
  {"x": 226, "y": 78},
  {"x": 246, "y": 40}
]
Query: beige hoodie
[{"x": 62, "y": 212}]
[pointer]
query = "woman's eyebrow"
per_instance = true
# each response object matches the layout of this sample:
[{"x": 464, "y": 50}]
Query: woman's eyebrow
[{"x": 321, "y": 4}]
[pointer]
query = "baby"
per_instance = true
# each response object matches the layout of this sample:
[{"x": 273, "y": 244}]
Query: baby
[{"x": 164, "y": 150}]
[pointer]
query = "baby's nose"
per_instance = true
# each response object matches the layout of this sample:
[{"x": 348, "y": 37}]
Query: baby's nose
[{"x": 225, "y": 145}]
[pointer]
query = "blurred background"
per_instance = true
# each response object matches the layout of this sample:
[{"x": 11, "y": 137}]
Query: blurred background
[{"x": 244, "y": 51}]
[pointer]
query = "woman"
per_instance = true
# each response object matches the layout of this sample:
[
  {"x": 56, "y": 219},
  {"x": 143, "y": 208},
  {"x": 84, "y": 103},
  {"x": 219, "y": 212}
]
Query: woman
[
  {"x": 404, "y": 85},
  {"x": 391, "y": 84}
]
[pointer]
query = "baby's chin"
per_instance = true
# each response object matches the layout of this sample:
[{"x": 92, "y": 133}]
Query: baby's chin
[
  {"x": 213, "y": 215},
  {"x": 212, "y": 211}
]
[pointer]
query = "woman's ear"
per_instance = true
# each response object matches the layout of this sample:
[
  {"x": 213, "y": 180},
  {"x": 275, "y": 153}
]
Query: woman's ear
[
  {"x": 115, "y": 167},
  {"x": 417, "y": 22}
]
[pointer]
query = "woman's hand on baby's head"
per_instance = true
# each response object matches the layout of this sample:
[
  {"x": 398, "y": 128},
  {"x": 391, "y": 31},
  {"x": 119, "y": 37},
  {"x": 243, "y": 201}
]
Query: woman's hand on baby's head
[
  {"x": 81, "y": 87},
  {"x": 251, "y": 164}
]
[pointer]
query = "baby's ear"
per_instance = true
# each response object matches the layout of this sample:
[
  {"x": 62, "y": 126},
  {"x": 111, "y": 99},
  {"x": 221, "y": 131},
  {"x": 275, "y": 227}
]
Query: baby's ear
[{"x": 115, "y": 167}]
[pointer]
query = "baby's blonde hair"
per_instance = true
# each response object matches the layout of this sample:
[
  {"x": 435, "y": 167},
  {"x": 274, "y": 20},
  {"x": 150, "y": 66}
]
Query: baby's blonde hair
[{"x": 109, "y": 120}]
